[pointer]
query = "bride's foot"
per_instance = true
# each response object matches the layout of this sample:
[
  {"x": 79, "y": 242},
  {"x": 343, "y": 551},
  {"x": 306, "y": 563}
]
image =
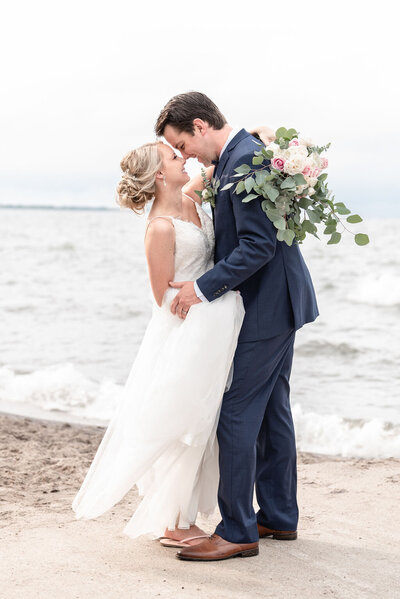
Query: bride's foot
[{"x": 181, "y": 537}]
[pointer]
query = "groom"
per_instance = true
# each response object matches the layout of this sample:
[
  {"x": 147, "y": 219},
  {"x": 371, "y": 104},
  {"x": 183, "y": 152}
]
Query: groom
[{"x": 255, "y": 431}]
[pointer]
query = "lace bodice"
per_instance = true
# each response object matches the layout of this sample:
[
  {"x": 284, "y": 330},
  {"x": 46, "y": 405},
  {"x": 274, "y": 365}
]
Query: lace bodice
[{"x": 194, "y": 246}]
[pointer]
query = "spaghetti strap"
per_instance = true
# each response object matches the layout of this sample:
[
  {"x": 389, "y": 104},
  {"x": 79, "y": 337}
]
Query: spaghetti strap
[{"x": 186, "y": 196}]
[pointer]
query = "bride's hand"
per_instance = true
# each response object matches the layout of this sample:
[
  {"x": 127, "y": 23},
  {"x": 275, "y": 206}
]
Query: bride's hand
[{"x": 266, "y": 134}]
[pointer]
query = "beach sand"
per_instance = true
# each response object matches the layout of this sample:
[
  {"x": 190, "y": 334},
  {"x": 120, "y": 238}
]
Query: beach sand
[{"x": 348, "y": 546}]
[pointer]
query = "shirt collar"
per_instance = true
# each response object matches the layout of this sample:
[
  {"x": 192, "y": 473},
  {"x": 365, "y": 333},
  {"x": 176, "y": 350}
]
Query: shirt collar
[{"x": 231, "y": 135}]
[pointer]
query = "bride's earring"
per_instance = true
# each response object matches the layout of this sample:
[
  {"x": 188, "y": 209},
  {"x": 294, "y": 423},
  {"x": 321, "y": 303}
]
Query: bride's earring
[{"x": 165, "y": 181}]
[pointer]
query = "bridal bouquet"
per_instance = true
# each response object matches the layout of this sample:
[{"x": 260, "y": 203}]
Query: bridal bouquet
[{"x": 294, "y": 188}]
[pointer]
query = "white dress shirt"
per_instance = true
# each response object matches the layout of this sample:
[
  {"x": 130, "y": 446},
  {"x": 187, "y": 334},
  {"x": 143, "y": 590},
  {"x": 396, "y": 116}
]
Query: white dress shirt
[{"x": 230, "y": 136}]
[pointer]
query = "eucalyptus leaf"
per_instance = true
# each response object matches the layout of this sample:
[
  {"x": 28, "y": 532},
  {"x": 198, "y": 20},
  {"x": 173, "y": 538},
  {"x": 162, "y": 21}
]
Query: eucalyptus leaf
[
  {"x": 304, "y": 203},
  {"x": 258, "y": 160},
  {"x": 330, "y": 229},
  {"x": 354, "y": 218},
  {"x": 361, "y": 239},
  {"x": 280, "y": 223},
  {"x": 261, "y": 177},
  {"x": 336, "y": 237},
  {"x": 249, "y": 198},
  {"x": 340, "y": 208},
  {"x": 243, "y": 169},
  {"x": 239, "y": 187},
  {"x": 227, "y": 186},
  {"x": 308, "y": 227},
  {"x": 287, "y": 236},
  {"x": 267, "y": 153},
  {"x": 313, "y": 216},
  {"x": 281, "y": 132},
  {"x": 288, "y": 183},
  {"x": 271, "y": 192},
  {"x": 249, "y": 184},
  {"x": 299, "y": 179}
]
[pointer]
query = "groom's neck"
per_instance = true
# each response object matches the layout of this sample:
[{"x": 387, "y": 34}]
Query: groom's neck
[{"x": 220, "y": 137}]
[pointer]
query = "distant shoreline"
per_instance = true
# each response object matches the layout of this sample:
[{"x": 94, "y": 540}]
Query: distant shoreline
[{"x": 49, "y": 207}]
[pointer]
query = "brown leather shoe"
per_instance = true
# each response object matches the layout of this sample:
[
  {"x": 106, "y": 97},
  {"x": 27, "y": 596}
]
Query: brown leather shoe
[
  {"x": 279, "y": 535},
  {"x": 216, "y": 548}
]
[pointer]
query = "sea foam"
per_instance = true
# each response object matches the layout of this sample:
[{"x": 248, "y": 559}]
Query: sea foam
[{"x": 62, "y": 392}]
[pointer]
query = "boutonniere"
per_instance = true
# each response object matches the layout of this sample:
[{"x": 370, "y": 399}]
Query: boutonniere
[{"x": 209, "y": 193}]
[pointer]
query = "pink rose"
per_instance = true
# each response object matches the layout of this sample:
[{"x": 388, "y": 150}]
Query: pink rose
[
  {"x": 294, "y": 142},
  {"x": 306, "y": 171},
  {"x": 278, "y": 163},
  {"x": 316, "y": 172},
  {"x": 324, "y": 163}
]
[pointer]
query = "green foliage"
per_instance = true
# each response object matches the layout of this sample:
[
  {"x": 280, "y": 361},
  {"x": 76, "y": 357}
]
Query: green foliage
[
  {"x": 286, "y": 235},
  {"x": 288, "y": 183},
  {"x": 249, "y": 184},
  {"x": 341, "y": 208},
  {"x": 243, "y": 169},
  {"x": 239, "y": 187},
  {"x": 330, "y": 229},
  {"x": 336, "y": 237},
  {"x": 250, "y": 197},
  {"x": 225, "y": 187},
  {"x": 271, "y": 192},
  {"x": 258, "y": 160},
  {"x": 354, "y": 218},
  {"x": 299, "y": 179},
  {"x": 361, "y": 239}
]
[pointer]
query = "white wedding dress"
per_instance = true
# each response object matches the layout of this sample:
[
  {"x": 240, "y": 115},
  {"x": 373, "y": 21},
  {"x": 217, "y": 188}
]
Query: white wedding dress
[{"x": 162, "y": 437}]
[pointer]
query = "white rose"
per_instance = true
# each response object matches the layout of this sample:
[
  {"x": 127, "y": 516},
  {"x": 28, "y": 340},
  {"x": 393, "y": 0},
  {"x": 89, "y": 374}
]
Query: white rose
[
  {"x": 295, "y": 165},
  {"x": 296, "y": 151},
  {"x": 312, "y": 181},
  {"x": 206, "y": 194},
  {"x": 273, "y": 147},
  {"x": 306, "y": 141},
  {"x": 311, "y": 191},
  {"x": 316, "y": 160}
]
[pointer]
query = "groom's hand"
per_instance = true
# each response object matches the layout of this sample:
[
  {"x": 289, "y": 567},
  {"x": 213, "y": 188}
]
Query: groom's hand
[{"x": 185, "y": 298}]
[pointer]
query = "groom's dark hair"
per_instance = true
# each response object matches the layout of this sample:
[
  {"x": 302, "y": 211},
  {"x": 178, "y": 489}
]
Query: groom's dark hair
[{"x": 182, "y": 109}]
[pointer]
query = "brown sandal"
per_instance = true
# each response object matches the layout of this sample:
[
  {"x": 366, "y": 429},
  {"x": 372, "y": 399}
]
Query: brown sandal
[{"x": 167, "y": 542}]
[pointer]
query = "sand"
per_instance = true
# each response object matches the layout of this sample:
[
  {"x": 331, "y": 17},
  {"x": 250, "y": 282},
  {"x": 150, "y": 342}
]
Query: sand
[{"x": 348, "y": 544}]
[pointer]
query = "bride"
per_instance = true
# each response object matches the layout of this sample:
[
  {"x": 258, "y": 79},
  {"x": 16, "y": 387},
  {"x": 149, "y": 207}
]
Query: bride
[{"x": 162, "y": 437}]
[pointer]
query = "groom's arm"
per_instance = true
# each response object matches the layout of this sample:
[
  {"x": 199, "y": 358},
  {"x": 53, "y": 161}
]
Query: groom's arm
[{"x": 257, "y": 244}]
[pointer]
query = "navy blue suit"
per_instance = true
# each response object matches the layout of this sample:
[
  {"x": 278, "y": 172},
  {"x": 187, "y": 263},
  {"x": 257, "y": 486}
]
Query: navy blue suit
[{"x": 255, "y": 431}]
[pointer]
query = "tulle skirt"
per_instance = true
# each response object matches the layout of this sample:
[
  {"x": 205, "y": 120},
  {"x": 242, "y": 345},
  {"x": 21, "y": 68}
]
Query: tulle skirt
[{"x": 162, "y": 437}]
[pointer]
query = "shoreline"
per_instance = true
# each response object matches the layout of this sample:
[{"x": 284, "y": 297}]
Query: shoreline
[{"x": 348, "y": 546}]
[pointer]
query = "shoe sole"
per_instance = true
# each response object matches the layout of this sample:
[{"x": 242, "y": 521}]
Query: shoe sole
[
  {"x": 281, "y": 536},
  {"x": 246, "y": 553}
]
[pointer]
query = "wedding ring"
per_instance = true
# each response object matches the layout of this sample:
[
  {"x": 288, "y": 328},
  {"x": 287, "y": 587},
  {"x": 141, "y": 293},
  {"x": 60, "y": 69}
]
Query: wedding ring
[{"x": 185, "y": 311}]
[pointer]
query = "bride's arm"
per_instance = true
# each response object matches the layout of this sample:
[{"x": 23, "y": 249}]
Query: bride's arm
[
  {"x": 160, "y": 247},
  {"x": 196, "y": 183},
  {"x": 266, "y": 134}
]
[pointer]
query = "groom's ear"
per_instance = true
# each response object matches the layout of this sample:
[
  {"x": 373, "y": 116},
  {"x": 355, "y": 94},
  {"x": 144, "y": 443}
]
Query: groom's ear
[{"x": 200, "y": 126}]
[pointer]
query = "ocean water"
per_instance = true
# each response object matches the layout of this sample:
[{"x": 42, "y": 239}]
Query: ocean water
[{"x": 75, "y": 302}]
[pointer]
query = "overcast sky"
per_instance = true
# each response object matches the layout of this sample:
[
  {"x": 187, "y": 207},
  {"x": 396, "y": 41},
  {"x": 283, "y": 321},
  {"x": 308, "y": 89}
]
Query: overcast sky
[{"x": 83, "y": 83}]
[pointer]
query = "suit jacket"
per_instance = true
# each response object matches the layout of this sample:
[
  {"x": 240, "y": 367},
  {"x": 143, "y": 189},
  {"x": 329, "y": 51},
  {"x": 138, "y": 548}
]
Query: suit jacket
[{"x": 272, "y": 277}]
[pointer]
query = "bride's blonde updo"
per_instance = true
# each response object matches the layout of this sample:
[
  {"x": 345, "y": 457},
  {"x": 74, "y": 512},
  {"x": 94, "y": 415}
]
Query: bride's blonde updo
[{"x": 138, "y": 183}]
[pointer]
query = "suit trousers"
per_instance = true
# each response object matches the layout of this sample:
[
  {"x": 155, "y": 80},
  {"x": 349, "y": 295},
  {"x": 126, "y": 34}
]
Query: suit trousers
[{"x": 257, "y": 442}]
